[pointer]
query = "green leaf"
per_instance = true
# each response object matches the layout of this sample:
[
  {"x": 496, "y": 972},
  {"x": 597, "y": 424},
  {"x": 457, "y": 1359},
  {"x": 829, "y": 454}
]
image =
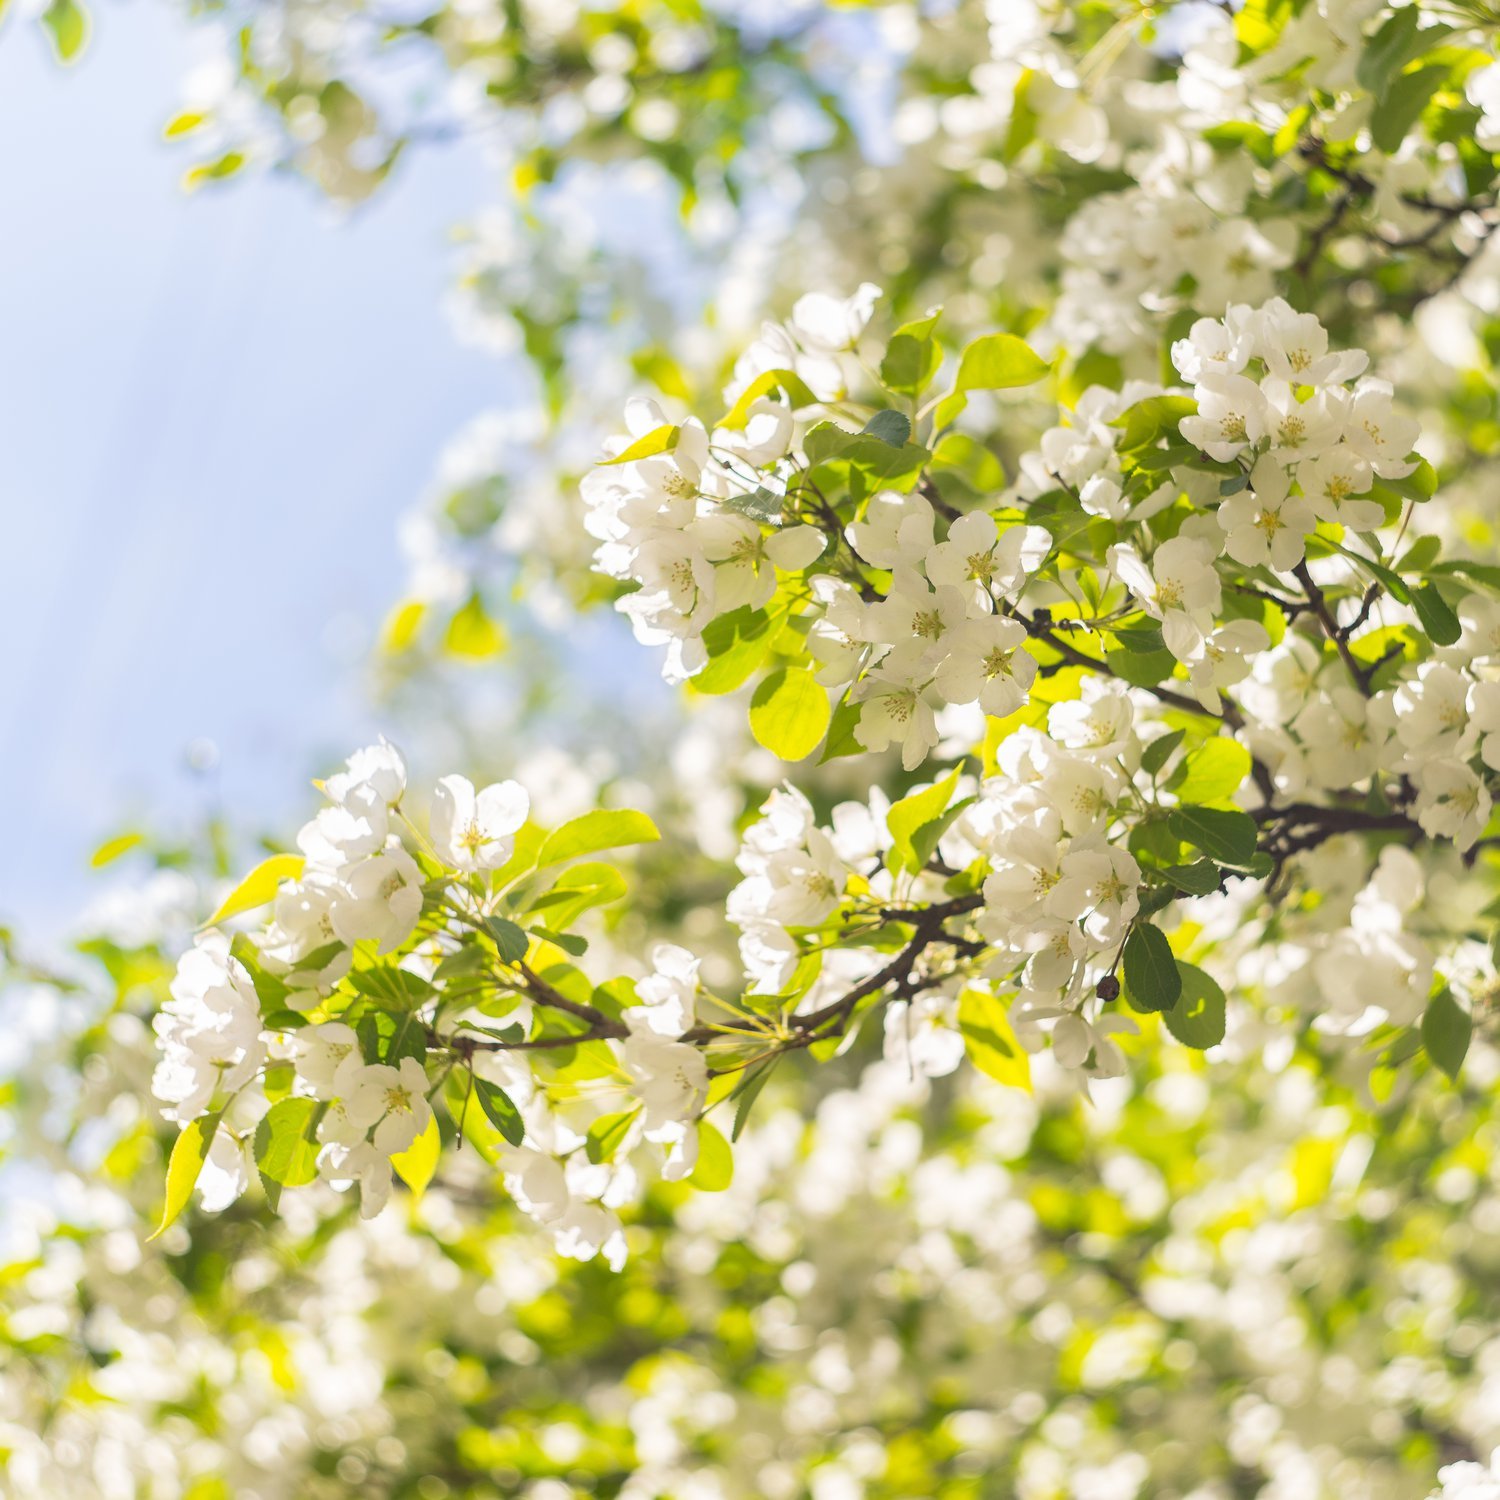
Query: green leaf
[
  {"x": 911, "y": 358},
  {"x": 890, "y": 427},
  {"x": 578, "y": 889},
  {"x": 1393, "y": 583},
  {"x": 502, "y": 1113},
  {"x": 1228, "y": 837},
  {"x": 760, "y": 504},
  {"x": 607, "y": 1133},
  {"x": 509, "y": 939},
  {"x": 868, "y": 462},
  {"x": 1485, "y": 574},
  {"x": 661, "y": 439},
  {"x": 737, "y": 644},
  {"x": 1446, "y": 1030},
  {"x": 1159, "y": 751},
  {"x": 970, "y": 460},
  {"x": 1152, "y": 980},
  {"x": 1140, "y": 640},
  {"x": 1197, "y": 1019},
  {"x": 569, "y": 942},
  {"x": 417, "y": 1164},
  {"x": 1403, "y": 104},
  {"x": 1151, "y": 419},
  {"x": 1212, "y": 773},
  {"x": 286, "y": 1145},
  {"x": 912, "y": 813},
  {"x": 747, "y": 1094},
  {"x": 68, "y": 26},
  {"x": 467, "y": 960},
  {"x": 794, "y": 388},
  {"x": 1420, "y": 556},
  {"x": 392, "y": 988},
  {"x": 189, "y": 1152},
  {"x": 605, "y": 828},
  {"x": 1393, "y": 45},
  {"x": 1197, "y": 879},
  {"x": 998, "y": 362},
  {"x": 1437, "y": 618},
  {"x": 990, "y": 1042},
  {"x": 715, "y": 1168},
  {"x": 259, "y": 886},
  {"x": 841, "y": 729},
  {"x": 925, "y": 840},
  {"x": 789, "y": 713}
]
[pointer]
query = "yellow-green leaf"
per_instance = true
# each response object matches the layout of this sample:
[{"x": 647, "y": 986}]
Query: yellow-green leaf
[
  {"x": 607, "y": 1133},
  {"x": 990, "y": 1041},
  {"x": 67, "y": 24},
  {"x": 910, "y": 814},
  {"x": 213, "y": 171},
  {"x": 659, "y": 440},
  {"x": 415, "y": 1166},
  {"x": 790, "y": 712},
  {"x": 402, "y": 625},
  {"x": 112, "y": 849},
  {"x": 605, "y": 828},
  {"x": 189, "y": 1152},
  {"x": 796, "y": 390},
  {"x": 183, "y": 124},
  {"x": 1212, "y": 773},
  {"x": 998, "y": 362},
  {"x": 715, "y": 1169},
  {"x": 472, "y": 634},
  {"x": 259, "y": 886}
]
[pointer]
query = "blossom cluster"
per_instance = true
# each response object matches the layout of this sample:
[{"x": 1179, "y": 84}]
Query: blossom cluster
[{"x": 318, "y": 1046}]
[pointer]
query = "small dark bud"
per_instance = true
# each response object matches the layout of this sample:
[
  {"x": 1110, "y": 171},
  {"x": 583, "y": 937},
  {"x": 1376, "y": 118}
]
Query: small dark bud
[
  {"x": 1108, "y": 988},
  {"x": 1043, "y": 618}
]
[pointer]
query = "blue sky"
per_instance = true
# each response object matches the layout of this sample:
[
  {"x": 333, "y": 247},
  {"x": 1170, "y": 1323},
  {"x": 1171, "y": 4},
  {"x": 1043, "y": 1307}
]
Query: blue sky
[{"x": 214, "y": 409}]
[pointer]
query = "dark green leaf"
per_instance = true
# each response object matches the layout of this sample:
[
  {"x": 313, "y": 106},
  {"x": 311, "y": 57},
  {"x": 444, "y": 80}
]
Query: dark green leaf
[
  {"x": 1140, "y": 640},
  {"x": 1159, "y": 751},
  {"x": 1446, "y": 1030},
  {"x": 499, "y": 1110},
  {"x": 1403, "y": 104},
  {"x": 746, "y": 1095},
  {"x": 1197, "y": 879},
  {"x": 1228, "y": 837},
  {"x": 890, "y": 427},
  {"x": 1152, "y": 981},
  {"x": 569, "y": 942},
  {"x": 1437, "y": 618},
  {"x": 509, "y": 939}
]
